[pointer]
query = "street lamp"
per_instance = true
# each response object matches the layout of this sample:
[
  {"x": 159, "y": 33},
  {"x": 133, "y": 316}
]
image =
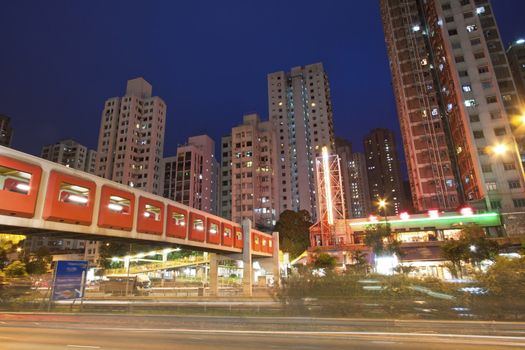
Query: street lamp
[
  {"x": 500, "y": 149},
  {"x": 382, "y": 203}
]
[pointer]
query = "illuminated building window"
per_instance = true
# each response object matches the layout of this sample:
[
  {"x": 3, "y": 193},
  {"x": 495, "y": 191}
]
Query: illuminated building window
[
  {"x": 472, "y": 28},
  {"x": 467, "y": 88}
]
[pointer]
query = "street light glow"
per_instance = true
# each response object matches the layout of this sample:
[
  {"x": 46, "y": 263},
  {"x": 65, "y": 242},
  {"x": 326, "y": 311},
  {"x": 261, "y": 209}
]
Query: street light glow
[
  {"x": 467, "y": 211},
  {"x": 382, "y": 203},
  {"x": 500, "y": 149}
]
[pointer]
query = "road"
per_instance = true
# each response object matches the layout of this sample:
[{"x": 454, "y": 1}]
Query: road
[{"x": 130, "y": 332}]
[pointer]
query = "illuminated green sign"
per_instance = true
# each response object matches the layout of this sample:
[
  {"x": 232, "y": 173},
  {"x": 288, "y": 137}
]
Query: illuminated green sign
[{"x": 484, "y": 219}]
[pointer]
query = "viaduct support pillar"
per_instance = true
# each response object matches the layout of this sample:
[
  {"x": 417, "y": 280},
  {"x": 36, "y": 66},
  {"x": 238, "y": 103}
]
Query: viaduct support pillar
[
  {"x": 247, "y": 275},
  {"x": 214, "y": 274}
]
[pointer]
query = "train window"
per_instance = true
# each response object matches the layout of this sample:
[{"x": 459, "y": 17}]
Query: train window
[
  {"x": 198, "y": 224},
  {"x": 179, "y": 219},
  {"x": 214, "y": 228},
  {"x": 264, "y": 243},
  {"x": 13, "y": 180},
  {"x": 227, "y": 232},
  {"x": 238, "y": 235},
  {"x": 119, "y": 205},
  {"x": 73, "y": 194},
  {"x": 256, "y": 240},
  {"x": 270, "y": 243},
  {"x": 152, "y": 212}
]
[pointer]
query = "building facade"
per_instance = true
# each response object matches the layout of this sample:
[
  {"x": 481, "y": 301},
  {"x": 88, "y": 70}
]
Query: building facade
[
  {"x": 343, "y": 149},
  {"x": 71, "y": 154},
  {"x": 360, "y": 204},
  {"x": 455, "y": 99},
  {"x": 225, "y": 178},
  {"x": 254, "y": 186},
  {"x": 384, "y": 170},
  {"x": 131, "y": 138},
  {"x": 6, "y": 131},
  {"x": 190, "y": 177},
  {"x": 516, "y": 57},
  {"x": 300, "y": 110}
]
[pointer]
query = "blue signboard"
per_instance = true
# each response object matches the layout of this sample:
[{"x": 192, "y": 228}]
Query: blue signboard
[{"x": 69, "y": 279}]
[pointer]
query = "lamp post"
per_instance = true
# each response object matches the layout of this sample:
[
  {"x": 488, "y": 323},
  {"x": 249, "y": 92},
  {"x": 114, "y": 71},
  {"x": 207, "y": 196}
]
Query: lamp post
[{"x": 382, "y": 203}]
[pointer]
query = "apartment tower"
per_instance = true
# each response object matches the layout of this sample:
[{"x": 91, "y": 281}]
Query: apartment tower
[
  {"x": 254, "y": 186},
  {"x": 190, "y": 177},
  {"x": 300, "y": 110},
  {"x": 6, "y": 131},
  {"x": 225, "y": 179},
  {"x": 131, "y": 138},
  {"x": 71, "y": 154},
  {"x": 384, "y": 170},
  {"x": 359, "y": 200},
  {"x": 355, "y": 180},
  {"x": 516, "y": 57},
  {"x": 455, "y": 99}
]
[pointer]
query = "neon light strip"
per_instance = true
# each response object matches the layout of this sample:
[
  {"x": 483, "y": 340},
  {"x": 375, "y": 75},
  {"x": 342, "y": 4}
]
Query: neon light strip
[
  {"x": 469, "y": 217},
  {"x": 327, "y": 187}
]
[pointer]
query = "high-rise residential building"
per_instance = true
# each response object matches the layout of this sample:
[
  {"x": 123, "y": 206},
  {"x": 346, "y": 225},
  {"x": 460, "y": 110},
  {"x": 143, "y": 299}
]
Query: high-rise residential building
[
  {"x": 254, "y": 186},
  {"x": 360, "y": 203},
  {"x": 300, "y": 109},
  {"x": 355, "y": 180},
  {"x": 384, "y": 170},
  {"x": 190, "y": 177},
  {"x": 516, "y": 57},
  {"x": 225, "y": 178},
  {"x": 455, "y": 97},
  {"x": 343, "y": 149},
  {"x": 6, "y": 131},
  {"x": 71, "y": 154},
  {"x": 131, "y": 138}
]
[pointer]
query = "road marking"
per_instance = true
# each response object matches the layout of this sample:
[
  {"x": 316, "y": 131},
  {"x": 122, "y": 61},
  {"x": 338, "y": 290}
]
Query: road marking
[
  {"x": 2, "y": 322},
  {"x": 84, "y": 346},
  {"x": 325, "y": 333}
]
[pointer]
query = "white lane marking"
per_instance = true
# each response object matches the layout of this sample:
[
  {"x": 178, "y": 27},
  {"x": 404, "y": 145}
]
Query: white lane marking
[
  {"x": 384, "y": 342},
  {"x": 227, "y": 331},
  {"x": 2, "y": 322},
  {"x": 84, "y": 346}
]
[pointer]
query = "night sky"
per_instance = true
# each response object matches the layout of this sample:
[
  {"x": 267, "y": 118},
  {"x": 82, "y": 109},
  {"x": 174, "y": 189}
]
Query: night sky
[{"x": 208, "y": 60}]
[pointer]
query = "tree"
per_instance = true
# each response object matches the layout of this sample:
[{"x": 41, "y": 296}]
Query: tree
[
  {"x": 380, "y": 239},
  {"x": 294, "y": 231},
  {"x": 479, "y": 247},
  {"x": 453, "y": 251},
  {"x": 324, "y": 261},
  {"x": 38, "y": 263},
  {"x": 472, "y": 246},
  {"x": 360, "y": 263},
  {"x": 8, "y": 243},
  {"x": 16, "y": 269},
  {"x": 505, "y": 284}
]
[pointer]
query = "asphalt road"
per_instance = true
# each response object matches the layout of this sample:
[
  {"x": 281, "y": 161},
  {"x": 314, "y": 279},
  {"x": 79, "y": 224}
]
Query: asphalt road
[{"x": 129, "y": 332}]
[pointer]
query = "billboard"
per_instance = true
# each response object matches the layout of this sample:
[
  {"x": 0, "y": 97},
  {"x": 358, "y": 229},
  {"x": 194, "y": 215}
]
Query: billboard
[{"x": 69, "y": 281}]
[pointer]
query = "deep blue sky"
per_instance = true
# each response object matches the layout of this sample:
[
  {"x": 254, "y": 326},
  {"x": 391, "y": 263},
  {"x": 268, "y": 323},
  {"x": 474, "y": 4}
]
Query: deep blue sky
[{"x": 60, "y": 60}]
